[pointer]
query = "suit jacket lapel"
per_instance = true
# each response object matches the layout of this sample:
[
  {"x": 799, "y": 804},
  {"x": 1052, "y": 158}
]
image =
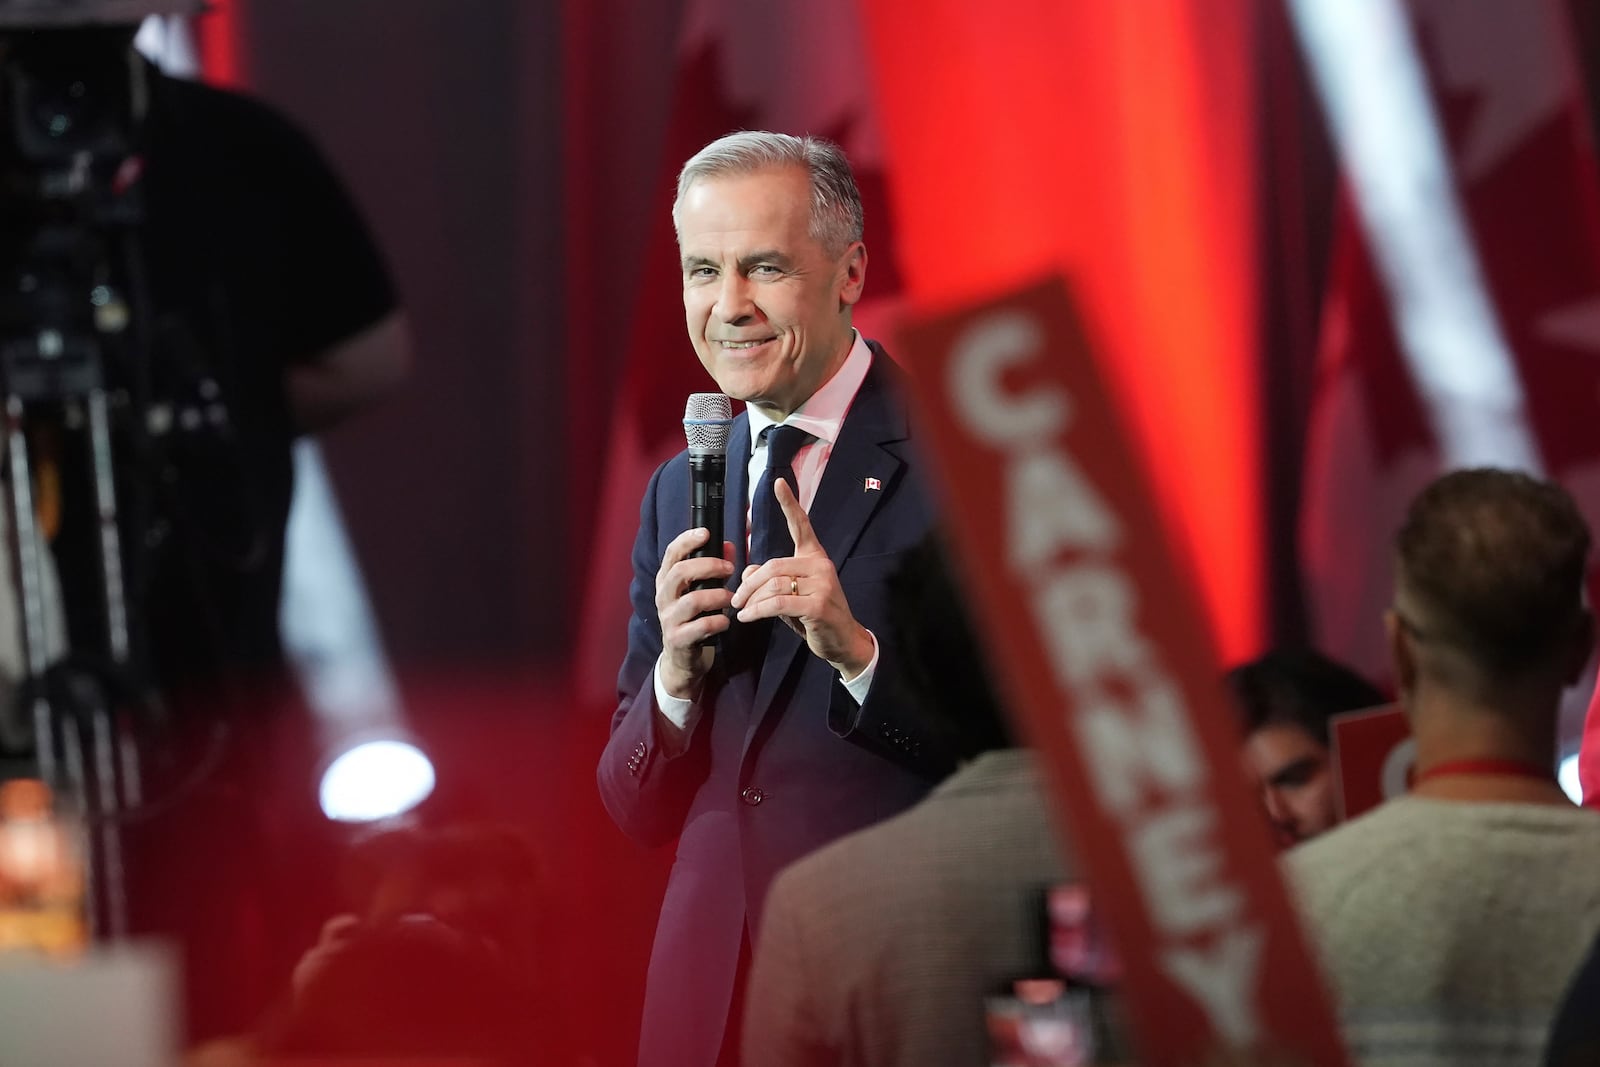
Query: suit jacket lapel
[{"x": 843, "y": 505}]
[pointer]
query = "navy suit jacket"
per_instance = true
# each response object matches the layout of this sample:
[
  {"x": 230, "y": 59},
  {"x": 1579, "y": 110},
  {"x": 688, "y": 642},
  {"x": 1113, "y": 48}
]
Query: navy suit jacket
[{"x": 782, "y": 760}]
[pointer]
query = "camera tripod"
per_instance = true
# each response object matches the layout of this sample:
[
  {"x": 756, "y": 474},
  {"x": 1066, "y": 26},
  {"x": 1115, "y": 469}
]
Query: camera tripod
[{"x": 65, "y": 711}]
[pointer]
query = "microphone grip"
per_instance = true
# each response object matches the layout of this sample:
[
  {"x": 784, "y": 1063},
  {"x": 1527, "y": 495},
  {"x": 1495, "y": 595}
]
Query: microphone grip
[{"x": 707, "y": 476}]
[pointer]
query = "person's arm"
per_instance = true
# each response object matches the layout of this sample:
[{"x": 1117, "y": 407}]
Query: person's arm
[
  {"x": 651, "y": 765},
  {"x": 804, "y": 591},
  {"x": 349, "y": 375},
  {"x": 331, "y": 312},
  {"x": 889, "y": 724}
]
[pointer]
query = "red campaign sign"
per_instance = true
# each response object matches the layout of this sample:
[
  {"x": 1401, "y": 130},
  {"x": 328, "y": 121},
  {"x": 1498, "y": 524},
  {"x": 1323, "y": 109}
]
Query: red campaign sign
[
  {"x": 1105, "y": 657},
  {"x": 1372, "y": 752}
]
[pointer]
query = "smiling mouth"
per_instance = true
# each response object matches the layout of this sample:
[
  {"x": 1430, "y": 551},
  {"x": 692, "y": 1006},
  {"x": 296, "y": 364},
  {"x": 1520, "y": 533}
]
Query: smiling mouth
[{"x": 740, "y": 346}]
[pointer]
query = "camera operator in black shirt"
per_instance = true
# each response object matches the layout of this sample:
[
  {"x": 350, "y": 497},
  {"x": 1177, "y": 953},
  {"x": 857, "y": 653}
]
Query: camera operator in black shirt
[{"x": 184, "y": 288}]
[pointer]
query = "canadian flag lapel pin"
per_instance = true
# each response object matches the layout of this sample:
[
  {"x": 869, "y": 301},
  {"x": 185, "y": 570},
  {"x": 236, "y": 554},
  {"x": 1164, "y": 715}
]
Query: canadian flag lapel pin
[{"x": 871, "y": 485}]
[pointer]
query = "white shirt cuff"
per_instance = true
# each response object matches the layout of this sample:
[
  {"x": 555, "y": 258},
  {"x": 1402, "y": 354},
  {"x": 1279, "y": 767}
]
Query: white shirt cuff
[
  {"x": 861, "y": 684},
  {"x": 678, "y": 711}
]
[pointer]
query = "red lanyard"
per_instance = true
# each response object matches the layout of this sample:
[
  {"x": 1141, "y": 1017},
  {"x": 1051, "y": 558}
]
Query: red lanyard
[{"x": 1498, "y": 768}]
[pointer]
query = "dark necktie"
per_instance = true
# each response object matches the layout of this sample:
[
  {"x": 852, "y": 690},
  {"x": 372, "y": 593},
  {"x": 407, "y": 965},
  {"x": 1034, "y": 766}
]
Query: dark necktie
[{"x": 769, "y": 530}]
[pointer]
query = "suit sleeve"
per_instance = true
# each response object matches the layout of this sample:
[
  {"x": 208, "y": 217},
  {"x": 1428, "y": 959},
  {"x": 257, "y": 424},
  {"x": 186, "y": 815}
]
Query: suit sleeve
[
  {"x": 646, "y": 789},
  {"x": 783, "y": 1021},
  {"x": 888, "y": 725}
]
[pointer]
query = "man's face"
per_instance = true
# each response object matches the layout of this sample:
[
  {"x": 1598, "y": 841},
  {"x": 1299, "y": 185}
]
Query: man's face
[
  {"x": 767, "y": 307},
  {"x": 1290, "y": 768}
]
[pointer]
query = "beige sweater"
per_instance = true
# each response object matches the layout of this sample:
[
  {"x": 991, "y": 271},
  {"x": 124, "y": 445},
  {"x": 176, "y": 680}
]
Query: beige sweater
[
  {"x": 878, "y": 950},
  {"x": 1450, "y": 930}
]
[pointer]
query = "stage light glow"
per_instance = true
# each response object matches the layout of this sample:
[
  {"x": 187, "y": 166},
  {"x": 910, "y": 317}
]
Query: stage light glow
[
  {"x": 1567, "y": 775},
  {"x": 1373, "y": 87},
  {"x": 167, "y": 41},
  {"x": 329, "y": 631},
  {"x": 376, "y": 780}
]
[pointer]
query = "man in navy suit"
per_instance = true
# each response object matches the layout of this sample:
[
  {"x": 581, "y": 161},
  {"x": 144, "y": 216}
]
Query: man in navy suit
[{"x": 763, "y": 717}]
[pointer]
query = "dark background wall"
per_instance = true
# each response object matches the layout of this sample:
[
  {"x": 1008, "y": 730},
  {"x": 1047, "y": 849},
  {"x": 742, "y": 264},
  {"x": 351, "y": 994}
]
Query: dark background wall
[{"x": 444, "y": 119}]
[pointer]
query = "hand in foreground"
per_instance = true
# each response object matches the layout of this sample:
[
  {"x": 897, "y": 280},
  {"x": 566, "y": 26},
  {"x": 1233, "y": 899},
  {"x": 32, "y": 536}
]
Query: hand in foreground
[
  {"x": 803, "y": 590},
  {"x": 679, "y": 607},
  {"x": 336, "y": 934}
]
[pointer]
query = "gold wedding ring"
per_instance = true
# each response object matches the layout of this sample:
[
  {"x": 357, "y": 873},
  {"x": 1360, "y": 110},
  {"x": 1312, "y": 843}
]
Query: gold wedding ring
[{"x": 794, "y": 587}]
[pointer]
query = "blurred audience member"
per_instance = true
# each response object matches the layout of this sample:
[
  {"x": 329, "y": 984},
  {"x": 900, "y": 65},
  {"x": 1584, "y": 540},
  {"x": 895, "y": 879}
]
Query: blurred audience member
[
  {"x": 412, "y": 990},
  {"x": 1575, "y": 1037},
  {"x": 881, "y": 947},
  {"x": 483, "y": 879},
  {"x": 1285, "y": 699},
  {"x": 1450, "y": 920},
  {"x": 412, "y": 987},
  {"x": 442, "y": 956}
]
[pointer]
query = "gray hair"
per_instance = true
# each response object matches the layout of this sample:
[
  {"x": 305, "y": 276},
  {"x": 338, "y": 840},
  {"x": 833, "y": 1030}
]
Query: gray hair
[{"x": 836, "y": 216}]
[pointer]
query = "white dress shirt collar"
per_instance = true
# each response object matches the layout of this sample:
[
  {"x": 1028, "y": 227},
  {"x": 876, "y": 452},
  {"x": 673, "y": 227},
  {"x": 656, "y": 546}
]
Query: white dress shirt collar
[{"x": 823, "y": 413}]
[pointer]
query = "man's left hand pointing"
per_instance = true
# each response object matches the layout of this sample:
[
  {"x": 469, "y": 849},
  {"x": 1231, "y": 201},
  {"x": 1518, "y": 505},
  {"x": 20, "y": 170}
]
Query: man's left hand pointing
[{"x": 803, "y": 590}]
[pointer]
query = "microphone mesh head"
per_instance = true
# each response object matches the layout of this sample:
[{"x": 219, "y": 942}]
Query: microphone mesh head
[{"x": 707, "y": 421}]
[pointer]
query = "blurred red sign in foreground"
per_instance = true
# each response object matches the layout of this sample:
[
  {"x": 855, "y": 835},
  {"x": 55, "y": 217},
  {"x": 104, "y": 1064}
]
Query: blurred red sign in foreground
[{"x": 1105, "y": 659}]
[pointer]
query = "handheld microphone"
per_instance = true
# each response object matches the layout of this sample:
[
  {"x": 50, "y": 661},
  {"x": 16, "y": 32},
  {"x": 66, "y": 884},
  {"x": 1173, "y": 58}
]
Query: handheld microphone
[{"x": 707, "y": 422}]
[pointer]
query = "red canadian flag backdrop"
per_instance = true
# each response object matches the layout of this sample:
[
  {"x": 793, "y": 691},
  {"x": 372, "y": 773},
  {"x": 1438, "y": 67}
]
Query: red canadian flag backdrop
[
  {"x": 1507, "y": 99},
  {"x": 1113, "y": 142}
]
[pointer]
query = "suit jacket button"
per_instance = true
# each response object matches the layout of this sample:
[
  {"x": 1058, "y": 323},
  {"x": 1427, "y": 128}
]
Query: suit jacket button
[{"x": 752, "y": 796}]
